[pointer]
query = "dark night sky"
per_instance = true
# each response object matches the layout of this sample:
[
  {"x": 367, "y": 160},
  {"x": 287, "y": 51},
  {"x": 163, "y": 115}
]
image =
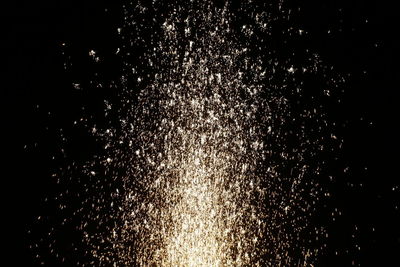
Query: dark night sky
[{"x": 39, "y": 100}]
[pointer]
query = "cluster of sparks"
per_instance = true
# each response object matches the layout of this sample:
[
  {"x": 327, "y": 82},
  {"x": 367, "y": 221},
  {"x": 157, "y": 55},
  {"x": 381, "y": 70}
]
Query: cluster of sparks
[{"x": 209, "y": 167}]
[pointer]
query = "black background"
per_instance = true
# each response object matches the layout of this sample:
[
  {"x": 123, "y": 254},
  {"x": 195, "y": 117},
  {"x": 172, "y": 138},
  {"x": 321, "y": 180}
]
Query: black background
[{"x": 38, "y": 100}]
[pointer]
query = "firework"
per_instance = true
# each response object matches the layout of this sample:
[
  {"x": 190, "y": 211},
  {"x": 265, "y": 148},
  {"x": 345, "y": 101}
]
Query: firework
[{"x": 213, "y": 161}]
